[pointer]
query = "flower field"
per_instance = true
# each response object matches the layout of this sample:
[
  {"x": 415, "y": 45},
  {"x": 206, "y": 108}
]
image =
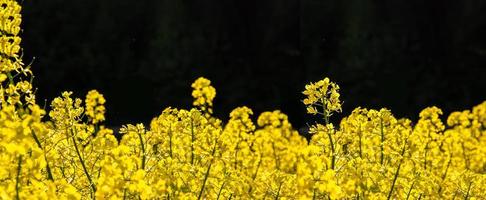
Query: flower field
[{"x": 64, "y": 151}]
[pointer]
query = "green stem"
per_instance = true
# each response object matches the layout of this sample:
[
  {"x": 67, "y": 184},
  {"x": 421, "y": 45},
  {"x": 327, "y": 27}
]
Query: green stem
[
  {"x": 396, "y": 173},
  {"x": 255, "y": 175},
  {"x": 48, "y": 168},
  {"x": 445, "y": 174},
  {"x": 410, "y": 190},
  {"x": 192, "y": 141},
  {"x": 170, "y": 141},
  {"x": 275, "y": 157},
  {"x": 278, "y": 191},
  {"x": 143, "y": 150},
  {"x": 324, "y": 110},
  {"x": 93, "y": 187},
  {"x": 466, "y": 161},
  {"x": 382, "y": 144},
  {"x": 394, "y": 181},
  {"x": 360, "y": 146},
  {"x": 10, "y": 78},
  {"x": 326, "y": 120},
  {"x": 204, "y": 182},
  {"x": 220, "y": 190},
  {"x": 468, "y": 190},
  {"x": 207, "y": 174},
  {"x": 425, "y": 155},
  {"x": 333, "y": 158},
  {"x": 17, "y": 184},
  {"x": 237, "y": 149}
]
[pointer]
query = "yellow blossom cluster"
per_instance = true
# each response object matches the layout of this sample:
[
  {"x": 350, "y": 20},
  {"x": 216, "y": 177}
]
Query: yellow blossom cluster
[
  {"x": 322, "y": 98},
  {"x": 17, "y": 91},
  {"x": 95, "y": 109},
  {"x": 67, "y": 153},
  {"x": 203, "y": 94}
]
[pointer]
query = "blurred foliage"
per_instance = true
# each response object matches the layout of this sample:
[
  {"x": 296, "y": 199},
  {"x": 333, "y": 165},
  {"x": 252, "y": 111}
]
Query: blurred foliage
[{"x": 404, "y": 55}]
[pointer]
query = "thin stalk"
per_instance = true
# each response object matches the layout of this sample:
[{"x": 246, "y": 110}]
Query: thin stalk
[
  {"x": 48, "y": 168},
  {"x": 360, "y": 145},
  {"x": 142, "y": 146},
  {"x": 425, "y": 155},
  {"x": 333, "y": 157},
  {"x": 275, "y": 156},
  {"x": 220, "y": 190},
  {"x": 93, "y": 186},
  {"x": 468, "y": 190},
  {"x": 237, "y": 148},
  {"x": 255, "y": 175},
  {"x": 382, "y": 144},
  {"x": 324, "y": 110},
  {"x": 10, "y": 78},
  {"x": 204, "y": 182},
  {"x": 278, "y": 191},
  {"x": 394, "y": 181},
  {"x": 447, "y": 169},
  {"x": 326, "y": 120},
  {"x": 396, "y": 174},
  {"x": 258, "y": 167},
  {"x": 445, "y": 174},
  {"x": 236, "y": 155},
  {"x": 207, "y": 174},
  {"x": 17, "y": 179},
  {"x": 466, "y": 161},
  {"x": 192, "y": 141},
  {"x": 410, "y": 190},
  {"x": 170, "y": 140}
]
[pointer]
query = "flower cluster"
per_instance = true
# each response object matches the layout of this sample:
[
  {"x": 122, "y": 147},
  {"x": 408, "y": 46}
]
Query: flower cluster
[
  {"x": 95, "y": 109},
  {"x": 203, "y": 94},
  {"x": 191, "y": 154},
  {"x": 374, "y": 155},
  {"x": 322, "y": 98},
  {"x": 16, "y": 91}
]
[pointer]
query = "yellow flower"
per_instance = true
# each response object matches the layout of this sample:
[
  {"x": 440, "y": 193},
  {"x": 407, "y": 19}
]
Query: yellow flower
[
  {"x": 72, "y": 193},
  {"x": 324, "y": 95},
  {"x": 189, "y": 154},
  {"x": 95, "y": 109},
  {"x": 203, "y": 94}
]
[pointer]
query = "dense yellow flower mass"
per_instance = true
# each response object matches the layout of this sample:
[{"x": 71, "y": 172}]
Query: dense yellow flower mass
[{"x": 67, "y": 153}]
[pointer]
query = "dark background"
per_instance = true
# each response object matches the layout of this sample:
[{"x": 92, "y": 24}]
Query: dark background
[{"x": 143, "y": 55}]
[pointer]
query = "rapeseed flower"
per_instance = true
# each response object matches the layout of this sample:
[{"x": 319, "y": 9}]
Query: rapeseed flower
[{"x": 191, "y": 154}]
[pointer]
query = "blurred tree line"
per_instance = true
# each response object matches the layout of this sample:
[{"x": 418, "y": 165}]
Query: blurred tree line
[{"x": 143, "y": 55}]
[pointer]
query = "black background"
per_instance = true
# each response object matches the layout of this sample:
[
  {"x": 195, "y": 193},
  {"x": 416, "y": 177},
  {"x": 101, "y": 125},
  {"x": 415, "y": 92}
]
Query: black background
[{"x": 143, "y": 55}]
